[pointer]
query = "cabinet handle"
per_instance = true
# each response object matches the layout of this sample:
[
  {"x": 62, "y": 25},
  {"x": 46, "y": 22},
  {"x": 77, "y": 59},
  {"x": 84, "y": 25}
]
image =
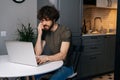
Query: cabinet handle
[
  {"x": 107, "y": 37},
  {"x": 92, "y": 58},
  {"x": 94, "y": 37},
  {"x": 93, "y": 47}
]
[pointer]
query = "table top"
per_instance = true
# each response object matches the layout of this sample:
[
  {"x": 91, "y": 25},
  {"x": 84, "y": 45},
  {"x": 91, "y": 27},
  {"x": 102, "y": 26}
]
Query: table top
[{"x": 9, "y": 69}]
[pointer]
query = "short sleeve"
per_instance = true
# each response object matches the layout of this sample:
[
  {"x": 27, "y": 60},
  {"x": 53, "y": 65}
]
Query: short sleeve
[{"x": 66, "y": 35}]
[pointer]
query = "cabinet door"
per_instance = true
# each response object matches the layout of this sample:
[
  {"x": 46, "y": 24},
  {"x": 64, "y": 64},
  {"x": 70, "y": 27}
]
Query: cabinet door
[
  {"x": 89, "y": 40},
  {"x": 70, "y": 11},
  {"x": 87, "y": 65},
  {"x": 101, "y": 64},
  {"x": 109, "y": 50},
  {"x": 107, "y": 3}
]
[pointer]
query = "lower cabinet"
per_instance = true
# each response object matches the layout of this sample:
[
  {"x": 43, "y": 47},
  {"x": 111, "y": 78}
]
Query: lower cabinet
[
  {"x": 109, "y": 52},
  {"x": 89, "y": 65},
  {"x": 97, "y": 56}
]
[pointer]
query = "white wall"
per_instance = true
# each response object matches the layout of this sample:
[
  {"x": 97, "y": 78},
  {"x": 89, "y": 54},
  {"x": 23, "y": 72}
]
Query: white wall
[{"x": 13, "y": 14}]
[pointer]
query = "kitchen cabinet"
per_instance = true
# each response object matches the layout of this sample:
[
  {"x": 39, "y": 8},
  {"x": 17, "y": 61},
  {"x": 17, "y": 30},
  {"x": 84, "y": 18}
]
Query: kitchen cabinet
[
  {"x": 101, "y": 3},
  {"x": 109, "y": 50},
  {"x": 106, "y": 3},
  {"x": 97, "y": 56},
  {"x": 109, "y": 54},
  {"x": 91, "y": 55},
  {"x": 89, "y": 2}
]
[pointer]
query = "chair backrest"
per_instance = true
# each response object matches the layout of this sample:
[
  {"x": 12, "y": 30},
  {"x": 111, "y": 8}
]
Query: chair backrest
[
  {"x": 76, "y": 56},
  {"x": 75, "y": 59}
]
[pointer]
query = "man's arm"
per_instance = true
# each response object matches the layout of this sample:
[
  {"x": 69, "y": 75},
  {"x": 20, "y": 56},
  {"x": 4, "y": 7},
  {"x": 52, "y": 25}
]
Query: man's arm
[
  {"x": 58, "y": 56},
  {"x": 62, "y": 54},
  {"x": 39, "y": 43},
  {"x": 39, "y": 46}
]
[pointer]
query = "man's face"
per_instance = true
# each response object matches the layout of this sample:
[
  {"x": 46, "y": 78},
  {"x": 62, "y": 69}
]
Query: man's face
[{"x": 47, "y": 24}]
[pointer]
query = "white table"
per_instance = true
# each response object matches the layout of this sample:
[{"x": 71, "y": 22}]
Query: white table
[{"x": 8, "y": 69}]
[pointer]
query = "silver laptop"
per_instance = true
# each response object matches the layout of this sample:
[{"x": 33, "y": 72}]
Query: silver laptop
[{"x": 21, "y": 52}]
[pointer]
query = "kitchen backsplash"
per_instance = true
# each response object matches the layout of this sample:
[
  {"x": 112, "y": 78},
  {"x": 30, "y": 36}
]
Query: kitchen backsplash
[{"x": 107, "y": 18}]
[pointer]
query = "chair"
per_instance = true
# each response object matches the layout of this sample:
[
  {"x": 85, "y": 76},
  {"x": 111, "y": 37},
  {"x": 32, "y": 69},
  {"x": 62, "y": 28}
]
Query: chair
[{"x": 75, "y": 56}]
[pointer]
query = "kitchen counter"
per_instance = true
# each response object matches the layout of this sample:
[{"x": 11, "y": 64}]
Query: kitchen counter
[
  {"x": 98, "y": 34},
  {"x": 98, "y": 49}
]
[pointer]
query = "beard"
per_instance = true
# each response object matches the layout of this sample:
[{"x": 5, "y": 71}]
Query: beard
[{"x": 47, "y": 27}]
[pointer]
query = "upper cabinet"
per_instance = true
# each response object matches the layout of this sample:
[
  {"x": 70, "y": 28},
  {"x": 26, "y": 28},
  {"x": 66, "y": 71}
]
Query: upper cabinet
[
  {"x": 106, "y": 3},
  {"x": 89, "y": 2},
  {"x": 101, "y": 3}
]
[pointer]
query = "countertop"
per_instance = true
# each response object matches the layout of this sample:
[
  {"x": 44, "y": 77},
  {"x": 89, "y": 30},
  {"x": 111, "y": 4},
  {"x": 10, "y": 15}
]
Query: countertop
[{"x": 99, "y": 34}]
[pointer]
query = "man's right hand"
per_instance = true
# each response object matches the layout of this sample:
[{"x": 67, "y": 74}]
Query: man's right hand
[{"x": 40, "y": 28}]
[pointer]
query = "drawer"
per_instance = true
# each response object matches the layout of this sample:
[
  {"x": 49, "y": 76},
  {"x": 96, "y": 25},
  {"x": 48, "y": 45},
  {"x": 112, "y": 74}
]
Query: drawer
[
  {"x": 92, "y": 39},
  {"x": 90, "y": 58},
  {"x": 93, "y": 43},
  {"x": 90, "y": 53},
  {"x": 92, "y": 48}
]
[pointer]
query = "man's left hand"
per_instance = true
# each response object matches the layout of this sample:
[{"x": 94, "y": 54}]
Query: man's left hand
[{"x": 42, "y": 59}]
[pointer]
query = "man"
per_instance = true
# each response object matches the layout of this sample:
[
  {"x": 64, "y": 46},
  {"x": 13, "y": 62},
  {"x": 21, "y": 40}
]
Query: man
[{"x": 53, "y": 41}]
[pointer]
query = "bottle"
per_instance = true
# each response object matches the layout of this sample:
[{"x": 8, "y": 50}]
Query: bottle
[{"x": 84, "y": 31}]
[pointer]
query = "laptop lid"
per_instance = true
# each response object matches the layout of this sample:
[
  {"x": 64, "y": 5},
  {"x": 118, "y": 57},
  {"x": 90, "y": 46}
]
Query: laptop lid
[{"x": 21, "y": 52}]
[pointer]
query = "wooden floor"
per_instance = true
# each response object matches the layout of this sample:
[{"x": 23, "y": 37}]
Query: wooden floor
[{"x": 109, "y": 76}]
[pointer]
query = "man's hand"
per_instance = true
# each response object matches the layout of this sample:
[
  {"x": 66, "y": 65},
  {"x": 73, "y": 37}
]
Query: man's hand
[
  {"x": 40, "y": 28},
  {"x": 42, "y": 59}
]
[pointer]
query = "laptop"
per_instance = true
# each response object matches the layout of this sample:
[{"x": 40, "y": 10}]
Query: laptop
[{"x": 21, "y": 52}]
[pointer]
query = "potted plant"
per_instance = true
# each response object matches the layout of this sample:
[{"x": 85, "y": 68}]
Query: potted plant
[{"x": 26, "y": 33}]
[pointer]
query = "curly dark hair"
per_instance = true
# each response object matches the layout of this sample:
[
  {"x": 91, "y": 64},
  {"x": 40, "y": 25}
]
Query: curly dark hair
[{"x": 48, "y": 12}]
